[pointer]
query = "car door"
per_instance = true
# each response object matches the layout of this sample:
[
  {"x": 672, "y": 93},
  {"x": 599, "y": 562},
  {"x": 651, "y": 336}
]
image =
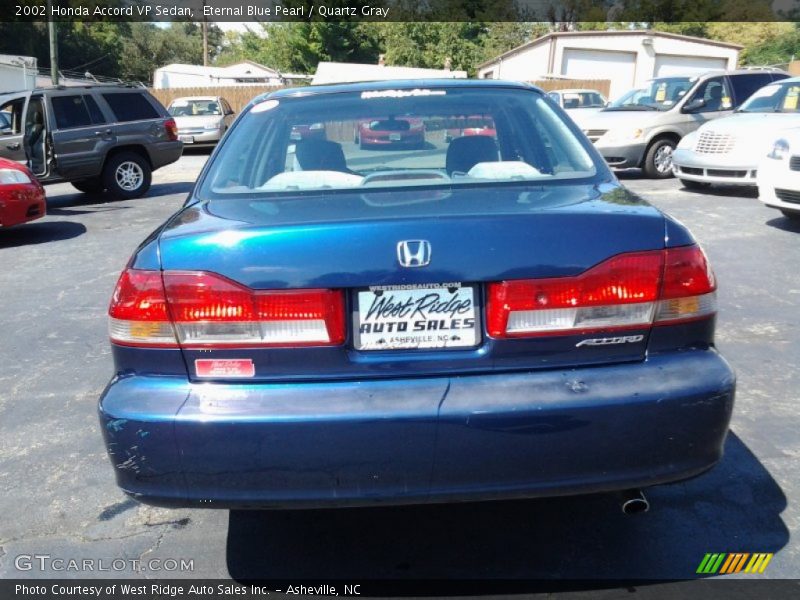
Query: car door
[
  {"x": 12, "y": 132},
  {"x": 710, "y": 100},
  {"x": 35, "y": 141},
  {"x": 81, "y": 135}
]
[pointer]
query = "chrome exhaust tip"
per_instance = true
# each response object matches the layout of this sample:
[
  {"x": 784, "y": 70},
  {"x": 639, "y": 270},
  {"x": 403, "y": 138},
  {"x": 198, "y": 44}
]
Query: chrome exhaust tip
[{"x": 634, "y": 502}]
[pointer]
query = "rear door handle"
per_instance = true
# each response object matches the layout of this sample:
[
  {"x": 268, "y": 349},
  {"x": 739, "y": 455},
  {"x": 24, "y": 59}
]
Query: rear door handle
[
  {"x": 15, "y": 146},
  {"x": 102, "y": 133}
]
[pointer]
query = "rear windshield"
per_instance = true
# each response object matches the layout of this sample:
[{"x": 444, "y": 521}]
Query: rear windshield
[{"x": 396, "y": 138}]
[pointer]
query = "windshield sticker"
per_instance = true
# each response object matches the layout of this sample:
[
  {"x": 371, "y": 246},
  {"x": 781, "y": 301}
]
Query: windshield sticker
[
  {"x": 790, "y": 102},
  {"x": 265, "y": 106},
  {"x": 401, "y": 93},
  {"x": 661, "y": 93}
]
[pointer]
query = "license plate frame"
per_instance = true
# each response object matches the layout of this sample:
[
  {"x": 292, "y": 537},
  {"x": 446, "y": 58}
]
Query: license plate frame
[
  {"x": 410, "y": 338},
  {"x": 395, "y": 137}
]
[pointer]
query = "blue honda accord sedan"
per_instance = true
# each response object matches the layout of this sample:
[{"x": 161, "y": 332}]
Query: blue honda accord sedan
[{"x": 480, "y": 317}]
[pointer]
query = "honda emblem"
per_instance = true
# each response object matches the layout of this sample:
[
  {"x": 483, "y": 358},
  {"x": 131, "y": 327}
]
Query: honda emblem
[{"x": 414, "y": 253}]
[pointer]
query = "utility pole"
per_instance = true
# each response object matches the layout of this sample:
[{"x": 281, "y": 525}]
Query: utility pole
[
  {"x": 205, "y": 36},
  {"x": 51, "y": 28}
]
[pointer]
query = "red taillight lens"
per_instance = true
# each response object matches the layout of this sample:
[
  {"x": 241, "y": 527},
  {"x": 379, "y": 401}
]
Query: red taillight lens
[
  {"x": 138, "y": 311},
  {"x": 201, "y": 309},
  {"x": 688, "y": 291},
  {"x": 626, "y": 291},
  {"x": 210, "y": 310},
  {"x": 172, "y": 129}
]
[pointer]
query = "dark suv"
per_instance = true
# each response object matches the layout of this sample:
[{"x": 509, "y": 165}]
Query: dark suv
[{"x": 103, "y": 137}]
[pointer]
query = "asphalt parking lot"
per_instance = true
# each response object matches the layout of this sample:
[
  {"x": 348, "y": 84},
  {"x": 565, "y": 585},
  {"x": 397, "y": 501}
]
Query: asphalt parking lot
[{"x": 60, "y": 498}]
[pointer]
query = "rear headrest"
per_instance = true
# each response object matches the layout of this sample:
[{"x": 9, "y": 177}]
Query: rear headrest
[
  {"x": 466, "y": 152},
  {"x": 320, "y": 155}
]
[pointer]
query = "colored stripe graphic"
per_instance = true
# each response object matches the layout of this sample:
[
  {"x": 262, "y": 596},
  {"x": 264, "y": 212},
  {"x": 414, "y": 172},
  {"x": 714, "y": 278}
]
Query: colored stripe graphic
[{"x": 726, "y": 563}]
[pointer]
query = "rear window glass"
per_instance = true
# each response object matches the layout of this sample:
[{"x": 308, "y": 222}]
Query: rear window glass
[
  {"x": 396, "y": 138},
  {"x": 128, "y": 106}
]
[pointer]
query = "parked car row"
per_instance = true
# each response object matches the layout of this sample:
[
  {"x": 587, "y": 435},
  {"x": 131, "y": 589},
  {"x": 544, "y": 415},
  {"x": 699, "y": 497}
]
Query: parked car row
[{"x": 646, "y": 127}]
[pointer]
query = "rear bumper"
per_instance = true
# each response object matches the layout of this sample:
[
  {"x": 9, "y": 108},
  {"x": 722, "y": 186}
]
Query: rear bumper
[
  {"x": 165, "y": 153},
  {"x": 207, "y": 137},
  {"x": 476, "y": 437}
]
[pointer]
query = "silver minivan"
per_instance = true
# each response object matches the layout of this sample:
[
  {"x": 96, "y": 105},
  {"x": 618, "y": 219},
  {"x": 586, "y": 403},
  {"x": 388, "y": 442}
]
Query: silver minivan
[{"x": 642, "y": 130}]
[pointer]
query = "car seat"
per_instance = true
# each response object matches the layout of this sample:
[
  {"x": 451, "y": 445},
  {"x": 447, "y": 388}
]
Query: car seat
[
  {"x": 463, "y": 153},
  {"x": 320, "y": 155},
  {"x": 714, "y": 101}
]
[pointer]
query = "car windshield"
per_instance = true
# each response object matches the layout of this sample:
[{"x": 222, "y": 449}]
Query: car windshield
[
  {"x": 660, "y": 94},
  {"x": 183, "y": 107},
  {"x": 396, "y": 138},
  {"x": 777, "y": 97},
  {"x": 629, "y": 98}
]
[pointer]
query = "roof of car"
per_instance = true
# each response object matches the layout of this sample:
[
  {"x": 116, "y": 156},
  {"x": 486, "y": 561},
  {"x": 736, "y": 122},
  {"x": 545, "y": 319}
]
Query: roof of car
[
  {"x": 401, "y": 84},
  {"x": 202, "y": 98},
  {"x": 575, "y": 91}
]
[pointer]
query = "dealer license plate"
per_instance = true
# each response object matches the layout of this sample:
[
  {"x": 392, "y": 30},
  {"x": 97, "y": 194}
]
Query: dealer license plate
[
  {"x": 409, "y": 317},
  {"x": 186, "y": 139}
]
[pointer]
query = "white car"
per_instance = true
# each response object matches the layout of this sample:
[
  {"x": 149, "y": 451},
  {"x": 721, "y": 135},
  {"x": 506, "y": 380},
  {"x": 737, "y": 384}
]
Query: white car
[
  {"x": 579, "y": 103},
  {"x": 201, "y": 120},
  {"x": 728, "y": 150},
  {"x": 779, "y": 175}
]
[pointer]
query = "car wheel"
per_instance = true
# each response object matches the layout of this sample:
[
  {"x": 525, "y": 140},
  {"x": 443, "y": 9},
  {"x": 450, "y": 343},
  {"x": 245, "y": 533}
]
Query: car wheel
[
  {"x": 794, "y": 215},
  {"x": 658, "y": 161},
  {"x": 694, "y": 185},
  {"x": 89, "y": 186},
  {"x": 127, "y": 175}
]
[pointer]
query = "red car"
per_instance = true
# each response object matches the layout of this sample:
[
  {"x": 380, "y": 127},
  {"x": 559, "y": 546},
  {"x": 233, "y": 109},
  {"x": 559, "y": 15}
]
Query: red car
[
  {"x": 391, "y": 132},
  {"x": 472, "y": 125},
  {"x": 21, "y": 195}
]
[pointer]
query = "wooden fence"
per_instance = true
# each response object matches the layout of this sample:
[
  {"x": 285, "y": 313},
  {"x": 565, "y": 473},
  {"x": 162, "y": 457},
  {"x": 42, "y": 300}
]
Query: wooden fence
[{"x": 239, "y": 96}]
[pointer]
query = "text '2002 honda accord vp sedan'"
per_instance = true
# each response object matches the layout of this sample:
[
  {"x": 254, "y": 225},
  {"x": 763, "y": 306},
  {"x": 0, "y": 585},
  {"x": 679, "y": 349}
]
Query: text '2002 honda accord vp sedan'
[{"x": 489, "y": 317}]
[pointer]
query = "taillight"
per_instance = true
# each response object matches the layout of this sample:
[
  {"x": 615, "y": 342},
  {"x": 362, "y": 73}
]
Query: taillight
[
  {"x": 206, "y": 310},
  {"x": 626, "y": 291},
  {"x": 210, "y": 310},
  {"x": 138, "y": 314},
  {"x": 172, "y": 130},
  {"x": 689, "y": 286}
]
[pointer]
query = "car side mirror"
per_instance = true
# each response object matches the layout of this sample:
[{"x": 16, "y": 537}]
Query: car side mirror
[
  {"x": 6, "y": 131},
  {"x": 694, "y": 105}
]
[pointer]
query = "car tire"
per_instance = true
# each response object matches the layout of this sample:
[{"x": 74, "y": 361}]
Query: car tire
[
  {"x": 694, "y": 185},
  {"x": 658, "y": 160},
  {"x": 794, "y": 215},
  {"x": 89, "y": 186},
  {"x": 127, "y": 175}
]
